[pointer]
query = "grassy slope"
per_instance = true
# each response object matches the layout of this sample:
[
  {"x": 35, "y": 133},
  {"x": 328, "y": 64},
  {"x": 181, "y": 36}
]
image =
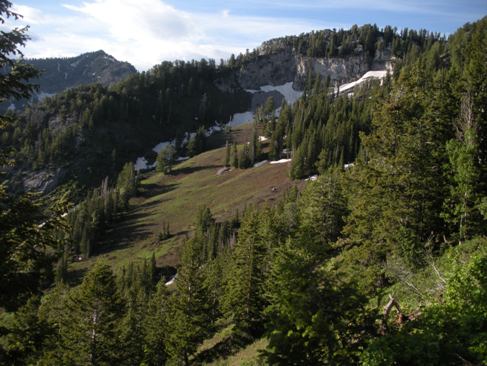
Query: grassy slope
[
  {"x": 248, "y": 355},
  {"x": 175, "y": 199}
]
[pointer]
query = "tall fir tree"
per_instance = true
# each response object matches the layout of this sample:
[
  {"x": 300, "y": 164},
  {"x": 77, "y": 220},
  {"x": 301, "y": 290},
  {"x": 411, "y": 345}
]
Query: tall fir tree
[
  {"x": 188, "y": 318},
  {"x": 89, "y": 328}
]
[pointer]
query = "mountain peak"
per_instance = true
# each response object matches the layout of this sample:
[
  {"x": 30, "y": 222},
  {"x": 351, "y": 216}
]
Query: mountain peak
[{"x": 59, "y": 74}]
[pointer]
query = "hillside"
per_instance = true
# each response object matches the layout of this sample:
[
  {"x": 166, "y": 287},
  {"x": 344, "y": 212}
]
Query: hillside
[
  {"x": 174, "y": 199},
  {"x": 70, "y": 137},
  {"x": 60, "y": 74},
  {"x": 344, "y": 224}
]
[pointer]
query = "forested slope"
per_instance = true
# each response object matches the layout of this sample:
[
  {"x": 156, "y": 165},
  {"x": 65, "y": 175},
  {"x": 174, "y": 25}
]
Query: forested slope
[{"x": 382, "y": 263}]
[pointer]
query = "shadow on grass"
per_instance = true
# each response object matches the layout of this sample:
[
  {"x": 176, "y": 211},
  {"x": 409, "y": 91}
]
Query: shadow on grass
[
  {"x": 122, "y": 238},
  {"x": 223, "y": 349},
  {"x": 193, "y": 169},
  {"x": 74, "y": 277},
  {"x": 152, "y": 190}
]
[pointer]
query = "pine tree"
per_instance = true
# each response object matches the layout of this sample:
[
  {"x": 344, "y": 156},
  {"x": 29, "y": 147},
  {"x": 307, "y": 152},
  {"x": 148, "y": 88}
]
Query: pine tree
[
  {"x": 463, "y": 155},
  {"x": 27, "y": 336},
  {"x": 322, "y": 209},
  {"x": 197, "y": 144},
  {"x": 26, "y": 249},
  {"x": 187, "y": 317},
  {"x": 131, "y": 328},
  {"x": 89, "y": 328},
  {"x": 243, "y": 301},
  {"x": 311, "y": 320},
  {"x": 254, "y": 149},
  {"x": 166, "y": 159},
  {"x": 227, "y": 155},
  {"x": 155, "y": 327},
  {"x": 234, "y": 156}
]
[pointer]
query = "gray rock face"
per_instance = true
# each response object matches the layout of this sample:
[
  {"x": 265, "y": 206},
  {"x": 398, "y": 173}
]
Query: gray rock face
[
  {"x": 338, "y": 69},
  {"x": 43, "y": 181},
  {"x": 272, "y": 69},
  {"x": 277, "y": 64}
]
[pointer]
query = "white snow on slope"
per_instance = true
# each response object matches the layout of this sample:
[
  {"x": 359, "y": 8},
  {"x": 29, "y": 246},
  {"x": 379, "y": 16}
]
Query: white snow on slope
[
  {"x": 162, "y": 145},
  {"x": 282, "y": 161},
  {"x": 171, "y": 281},
  {"x": 142, "y": 164},
  {"x": 42, "y": 95},
  {"x": 286, "y": 90},
  {"x": 312, "y": 178},
  {"x": 381, "y": 74},
  {"x": 260, "y": 163},
  {"x": 240, "y": 118}
]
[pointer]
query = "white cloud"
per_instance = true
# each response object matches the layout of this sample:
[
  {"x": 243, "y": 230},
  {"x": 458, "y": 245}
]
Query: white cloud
[
  {"x": 146, "y": 32},
  {"x": 29, "y": 15}
]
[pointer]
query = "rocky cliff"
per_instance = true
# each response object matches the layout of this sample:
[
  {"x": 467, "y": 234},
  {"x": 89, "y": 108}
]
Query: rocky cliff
[{"x": 277, "y": 63}]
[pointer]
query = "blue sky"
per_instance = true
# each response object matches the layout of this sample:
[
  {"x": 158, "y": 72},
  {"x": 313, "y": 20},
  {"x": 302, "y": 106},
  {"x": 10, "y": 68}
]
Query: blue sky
[{"x": 145, "y": 32}]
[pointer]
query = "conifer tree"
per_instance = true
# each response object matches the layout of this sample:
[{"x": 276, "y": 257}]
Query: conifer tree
[
  {"x": 197, "y": 144},
  {"x": 155, "y": 327},
  {"x": 131, "y": 328},
  {"x": 226, "y": 163},
  {"x": 234, "y": 156},
  {"x": 165, "y": 159},
  {"x": 27, "y": 246},
  {"x": 187, "y": 315},
  {"x": 463, "y": 155},
  {"x": 89, "y": 328},
  {"x": 26, "y": 336},
  {"x": 303, "y": 296},
  {"x": 243, "y": 301}
]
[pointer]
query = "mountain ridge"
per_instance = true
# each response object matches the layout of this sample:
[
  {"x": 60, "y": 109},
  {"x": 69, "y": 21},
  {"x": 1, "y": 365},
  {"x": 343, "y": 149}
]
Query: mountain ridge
[{"x": 61, "y": 73}]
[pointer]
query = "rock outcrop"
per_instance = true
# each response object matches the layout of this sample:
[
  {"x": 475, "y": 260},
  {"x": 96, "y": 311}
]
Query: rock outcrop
[{"x": 276, "y": 63}]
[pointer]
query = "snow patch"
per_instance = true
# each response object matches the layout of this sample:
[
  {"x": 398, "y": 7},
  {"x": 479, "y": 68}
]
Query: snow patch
[
  {"x": 162, "y": 145},
  {"x": 42, "y": 95},
  {"x": 286, "y": 90},
  {"x": 241, "y": 118},
  {"x": 260, "y": 163},
  {"x": 263, "y": 138},
  {"x": 109, "y": 58},
  {"x": 281, "y": 161},
  {"x": 171, "y": 281},
  {"x": 142, "y": 164},
  {"x": 380, "y": 74},
  {"x": 312, "y": 178},
  {"x": 213, "y": 129}
]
